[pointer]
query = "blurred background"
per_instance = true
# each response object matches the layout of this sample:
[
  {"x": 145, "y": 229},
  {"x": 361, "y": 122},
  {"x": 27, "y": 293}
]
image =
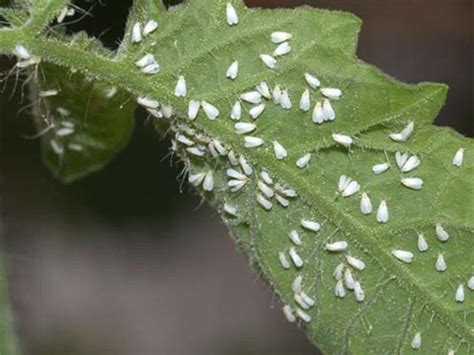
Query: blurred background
[{"x": 125, "y": 263}]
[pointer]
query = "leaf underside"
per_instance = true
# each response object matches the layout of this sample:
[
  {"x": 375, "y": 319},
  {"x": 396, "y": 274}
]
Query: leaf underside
[{"x": 194, "y": 40}]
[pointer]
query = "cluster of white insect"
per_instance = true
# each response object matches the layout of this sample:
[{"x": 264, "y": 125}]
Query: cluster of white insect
[
  {"x": 344, "y": 275},
  {"x": 268, "y": 190}
]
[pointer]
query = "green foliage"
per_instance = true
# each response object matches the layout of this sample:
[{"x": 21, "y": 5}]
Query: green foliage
[{"x": 194, "y": 40}]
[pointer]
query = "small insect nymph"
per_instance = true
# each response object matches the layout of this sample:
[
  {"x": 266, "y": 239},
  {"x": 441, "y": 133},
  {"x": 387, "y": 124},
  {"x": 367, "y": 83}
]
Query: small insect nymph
[
  {"x": 382, "y": 212},
  {"x": 280, "y": 151},
  {"x": 403, "y": 255},
  {"x": 231, "y": 15}
]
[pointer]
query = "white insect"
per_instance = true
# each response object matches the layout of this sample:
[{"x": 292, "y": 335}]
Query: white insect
[
  {"x": 347, "y": 187},
  {"x": 349, "y": 279},
  {"x": 382, "y": 212},
  {"x": 459, "y": 297},
  {"x": 230, "y": 209},
  {"x": 252, "y": 142},
  {"x": 410, "y": 164},
  {"x": 288, "y": 312},
  {"x": 285, "y": 100},
  {"x": 301, "y": 302},
  {"x": 404, "y": 134},
  {"x": 416, "y": 342},
  {"x": 359, "y": 292},
  {"x": 282, "y": 49},
  {"x": 318, "y": 113},
  {"x": 184, "y": 140},
  {"x": 422, "y": 243},
  {"x": 339, "y": 290},
  {"x": 111, "y": 92},
  {"x": 297, "y": 284},
  {"x": 256, "y": 111},
  {"x": 167, "y": 111},
  {"x": 233, "y": 158},
  {"x": 210, "y": 110},
  {"x": 21, "y": 52},
  {"x": 295, "y": 237},
  {"x": 252, "y": 97},
  {"x": 153, "y": 68},
  {"x": 282, "y": 201},
  {"x": 458, "y": 157},
  {"x": 150, "y": 27},
  {"x": 266, "y": 177},
  {"x": 307, "y": 299},
  {"x": 280, "y": 151},
  {"x": 296, "y": 258},
  {"x": 401, "y": 159},
  {"x": 57, "y": 148},
  {"x": 236, "y": 185},
  {"x": 276, "y": 94},
  {"x": 75, "y": 147},
  {"x": 312, "y": 81},
  {"x": 470, "y": 283},
  {"x": 65, "y": 12},
  {"x": 264, "y": 90},
  {"x": 219, "y": 147},
  {"x": 234, "y": 174},
  {"x": 233, "y": 70},
  {"x": 310, "y": 225},
  {"x": 208, "y": 183},
  {"x": 303, "y": 161},
  {"x": 193, "y": 109},
  {"x": 440, "y": 263},
  {"x": 339, "y": 271},
  {"x": 267, "y": 205},
  {"x": 365, "y": 204},
  {"x": 180, "y": 89},
  {"x": 380, "y": 168},
  {"x": 265, "y": 189},
  {"x": 337, "y": 246},
  {"x": 412, "y": 183},
  {"x": 441, "y": 233},
  {"x": 146, "y": 60},
  {"x": 305, "y": 101},
  {"x": 136, "y": 34},
  {"x": 284, "y": 260},
  {"x": 231, "y": 15},
  {"x": 403, "y": 255},
  {"x": 331, "y": 93},
  {"x": 286, "y": 192},
  {"x": 355, "y": 263},
  {"x": 342, "y": 139},
  {"x": 64, "y": 131},
  {"x": 147, "y": 102},
  {"x": 244, "y": 127},
  {"x": 305, "y": 317},
  {"x": 279, "y": 37},
  {"x": 47, "y": 93},
  {"x": 268, "y": 60},
  {"x": 236, "y": 112},
  {"x": 328, "y": 111},
  {"x": 245, "y": 166},
  {"x": 196, "y": 151}
]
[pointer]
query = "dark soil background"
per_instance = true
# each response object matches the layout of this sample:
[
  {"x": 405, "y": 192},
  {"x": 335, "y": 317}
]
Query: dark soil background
[{"x": 123, "y": 263}]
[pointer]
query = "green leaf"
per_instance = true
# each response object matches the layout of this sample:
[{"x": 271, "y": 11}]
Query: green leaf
[
  {"x": 401, "y": 299},
  {"x": 82, "y": 127}
]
